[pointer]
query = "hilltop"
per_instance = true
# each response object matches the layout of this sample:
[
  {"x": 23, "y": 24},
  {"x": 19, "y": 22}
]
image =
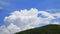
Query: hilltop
[{"x": 48, "y": 29}]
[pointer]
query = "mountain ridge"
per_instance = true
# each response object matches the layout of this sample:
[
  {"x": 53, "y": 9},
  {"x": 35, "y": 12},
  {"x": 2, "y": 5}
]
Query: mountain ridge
[{"x": 48, "y": 29}]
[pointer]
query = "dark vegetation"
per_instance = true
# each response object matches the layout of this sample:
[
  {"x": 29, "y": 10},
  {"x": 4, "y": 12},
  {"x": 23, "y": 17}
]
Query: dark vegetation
[{"x": 48, "y": 29}]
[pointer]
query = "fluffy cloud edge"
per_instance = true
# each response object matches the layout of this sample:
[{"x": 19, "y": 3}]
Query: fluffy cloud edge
[{"x": 28, "y": 19}]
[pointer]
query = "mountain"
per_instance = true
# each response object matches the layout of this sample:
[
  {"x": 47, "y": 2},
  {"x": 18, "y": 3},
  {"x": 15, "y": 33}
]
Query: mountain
[{"x": 48, "y": 29}]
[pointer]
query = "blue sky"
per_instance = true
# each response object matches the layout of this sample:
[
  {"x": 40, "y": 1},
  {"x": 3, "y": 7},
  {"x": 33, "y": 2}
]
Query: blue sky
[
  {"x": 8, "y": 6},
  {"x": 19, "y": 15}
]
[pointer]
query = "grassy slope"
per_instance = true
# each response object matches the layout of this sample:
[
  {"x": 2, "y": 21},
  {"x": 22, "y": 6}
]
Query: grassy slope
[{"x": 48, "y": 29}]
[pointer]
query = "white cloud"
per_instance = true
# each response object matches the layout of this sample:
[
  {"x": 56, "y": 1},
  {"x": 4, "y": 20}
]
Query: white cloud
[
  {"x": 13, "y": 28},
  {"x": 55, "y": 22},
  {"x": 47, "y": 14},
  {"x": 26, "y": 19},
  {"x": 57, "y": 15},
  {"x": 4, "y": 30}
]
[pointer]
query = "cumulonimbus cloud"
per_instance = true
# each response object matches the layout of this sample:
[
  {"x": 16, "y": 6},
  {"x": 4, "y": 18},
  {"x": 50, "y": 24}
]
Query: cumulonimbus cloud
[{"x": 27, "y": 19}]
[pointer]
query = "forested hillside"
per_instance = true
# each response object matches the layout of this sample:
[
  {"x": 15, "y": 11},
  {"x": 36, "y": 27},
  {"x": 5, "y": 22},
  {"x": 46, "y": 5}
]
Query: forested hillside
[{"x": 48, "y": 29}]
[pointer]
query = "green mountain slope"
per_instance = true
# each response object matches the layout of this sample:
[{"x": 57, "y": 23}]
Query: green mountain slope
[{"x": 48, "y": 29}]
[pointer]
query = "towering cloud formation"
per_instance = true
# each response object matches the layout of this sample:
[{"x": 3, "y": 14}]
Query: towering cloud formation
[{"x": 27, "y": 19}]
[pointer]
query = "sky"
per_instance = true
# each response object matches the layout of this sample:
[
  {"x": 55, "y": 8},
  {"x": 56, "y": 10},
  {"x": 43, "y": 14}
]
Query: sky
[
  {"x": 8, "y": 6},
  {"x": 30, "y": 13}
]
